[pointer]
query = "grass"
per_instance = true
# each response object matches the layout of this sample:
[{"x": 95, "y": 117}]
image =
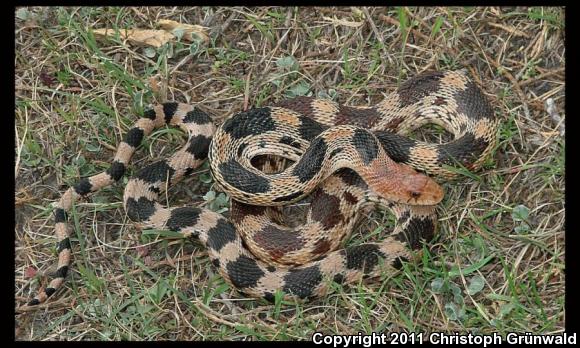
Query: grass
[{"x": 496, "y": 266}]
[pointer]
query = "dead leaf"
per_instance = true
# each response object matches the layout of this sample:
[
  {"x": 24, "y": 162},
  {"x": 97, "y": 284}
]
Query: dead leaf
[
  {"x": 147, "y": 37},
  {"x": 190, "y": 32},
  {"x": 142, "y": 250},
  {"x": 47, "y": 79},
  {"x": 30, "y": 272},
  {"x": 154, "y": 84}
]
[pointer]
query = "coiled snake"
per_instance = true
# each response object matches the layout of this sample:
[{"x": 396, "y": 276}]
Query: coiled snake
[{"x": 347, "y": 158}]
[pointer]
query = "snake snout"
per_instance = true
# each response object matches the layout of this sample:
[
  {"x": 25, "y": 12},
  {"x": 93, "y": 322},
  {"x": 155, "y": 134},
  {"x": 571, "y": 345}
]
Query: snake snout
[{"x": 422, "y": 190}]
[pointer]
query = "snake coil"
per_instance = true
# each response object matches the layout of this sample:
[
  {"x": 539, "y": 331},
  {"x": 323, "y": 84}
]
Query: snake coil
[{"x": 346, "y": 158}]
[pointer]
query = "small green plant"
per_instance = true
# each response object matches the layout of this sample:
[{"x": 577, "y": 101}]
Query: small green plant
[
  {"x": 159, "y": 291},
  {"x": 32, "y": 152},
  {"x": 289, "y": 76},
  {"x": 520, "y": 215},
  {"x": 299, "y": 89},
  {"x": 287, "y": 63},
  {"x": 452, "y": 294},
  {"x": 217, "y": 202}
]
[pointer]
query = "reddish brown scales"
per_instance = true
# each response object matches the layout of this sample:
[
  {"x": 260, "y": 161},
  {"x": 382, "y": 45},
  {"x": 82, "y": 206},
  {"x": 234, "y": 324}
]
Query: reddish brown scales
[
  {"x": 325, "y": 209},
  {"x": 278, "y": 242},
  {"x": 240, "y": 210},
  {"x": 439, "y": 101},
  {"x": 350, "y": 198},
  {"x": 322, "y": 246},
  {"x": 393, "y": 125},
  {"x": 361, "y": 117}
]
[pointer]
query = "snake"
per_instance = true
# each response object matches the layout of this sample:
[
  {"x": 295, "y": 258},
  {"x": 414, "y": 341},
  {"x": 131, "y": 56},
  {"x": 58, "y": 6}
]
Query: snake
[{"x": 346, "y": 160}]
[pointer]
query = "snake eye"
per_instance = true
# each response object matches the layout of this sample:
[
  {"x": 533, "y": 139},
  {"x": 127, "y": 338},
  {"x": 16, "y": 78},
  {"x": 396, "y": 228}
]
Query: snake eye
[{"x": 415, "y": 194}]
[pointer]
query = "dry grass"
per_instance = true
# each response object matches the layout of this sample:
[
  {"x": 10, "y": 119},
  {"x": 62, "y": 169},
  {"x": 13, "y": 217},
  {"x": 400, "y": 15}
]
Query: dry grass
[{"x": 75, "y": 98}]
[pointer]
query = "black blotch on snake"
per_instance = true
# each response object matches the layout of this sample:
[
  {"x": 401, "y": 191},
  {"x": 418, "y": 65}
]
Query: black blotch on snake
[
  {"x": 221, "y": 234},
  {"x": 251, "y": 122},
  {"x": 464, "y": 150},
  {"x": 134, "y": 136},
  {"x": 325, "y": 209},
  {"x": 157, "y": 172},
  {"x": 169, "y": 110},
  {"x": 60, "y": 215},
  {"x": 83, "y": 187},
  {"x": 363, "y": 257},
  {"x": 277, "y": 241},
  {"x": 473, "y": 103},
  {"x": 418, "y": 228},
  {"x": 289, "y": 141},
  {"x": 309, "y": 129},
  {"x": 366, "y": 145},
  {"x": 397, "y": 147},
  {"x": 63, "y": 244},
  {"x": 140, "y": 210},
  {"x": 181, "y": 218},
  {"x": 356, "y": 116},
  {"x": 150, "y": 114},
  {"x": 418, "y": 87},
  {"x": 197, "y": 116},
  {"x": 310, "y": 163},
  {"x": 116, "y": 170},
  {"x": 241, "y": 178},
  {"x": 199, "y": 146},
  {"x": 61, "y": 272},
  {"x": 244, "y": 272},
  {"x": 302, "y": 281}
]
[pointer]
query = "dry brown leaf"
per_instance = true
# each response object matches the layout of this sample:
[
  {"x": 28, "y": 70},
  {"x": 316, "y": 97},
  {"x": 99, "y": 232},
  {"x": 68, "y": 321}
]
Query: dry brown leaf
[
  {"x": 189, "y": 31},
  {"x": 147, "y": 37},
  {"x": 154, "y": 84},
  {"x": 30, "y": 272}
]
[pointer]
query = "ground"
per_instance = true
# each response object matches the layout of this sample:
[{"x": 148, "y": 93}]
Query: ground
[{"x": 496, "y": 266}]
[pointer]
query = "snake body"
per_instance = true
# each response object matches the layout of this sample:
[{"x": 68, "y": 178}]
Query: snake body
[{"x": 346, "y": 158}]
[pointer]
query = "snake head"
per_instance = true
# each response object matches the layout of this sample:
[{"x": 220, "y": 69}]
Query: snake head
[
  {"x": 419, "y": 189},
  {"x": 402, "y": 184}
]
